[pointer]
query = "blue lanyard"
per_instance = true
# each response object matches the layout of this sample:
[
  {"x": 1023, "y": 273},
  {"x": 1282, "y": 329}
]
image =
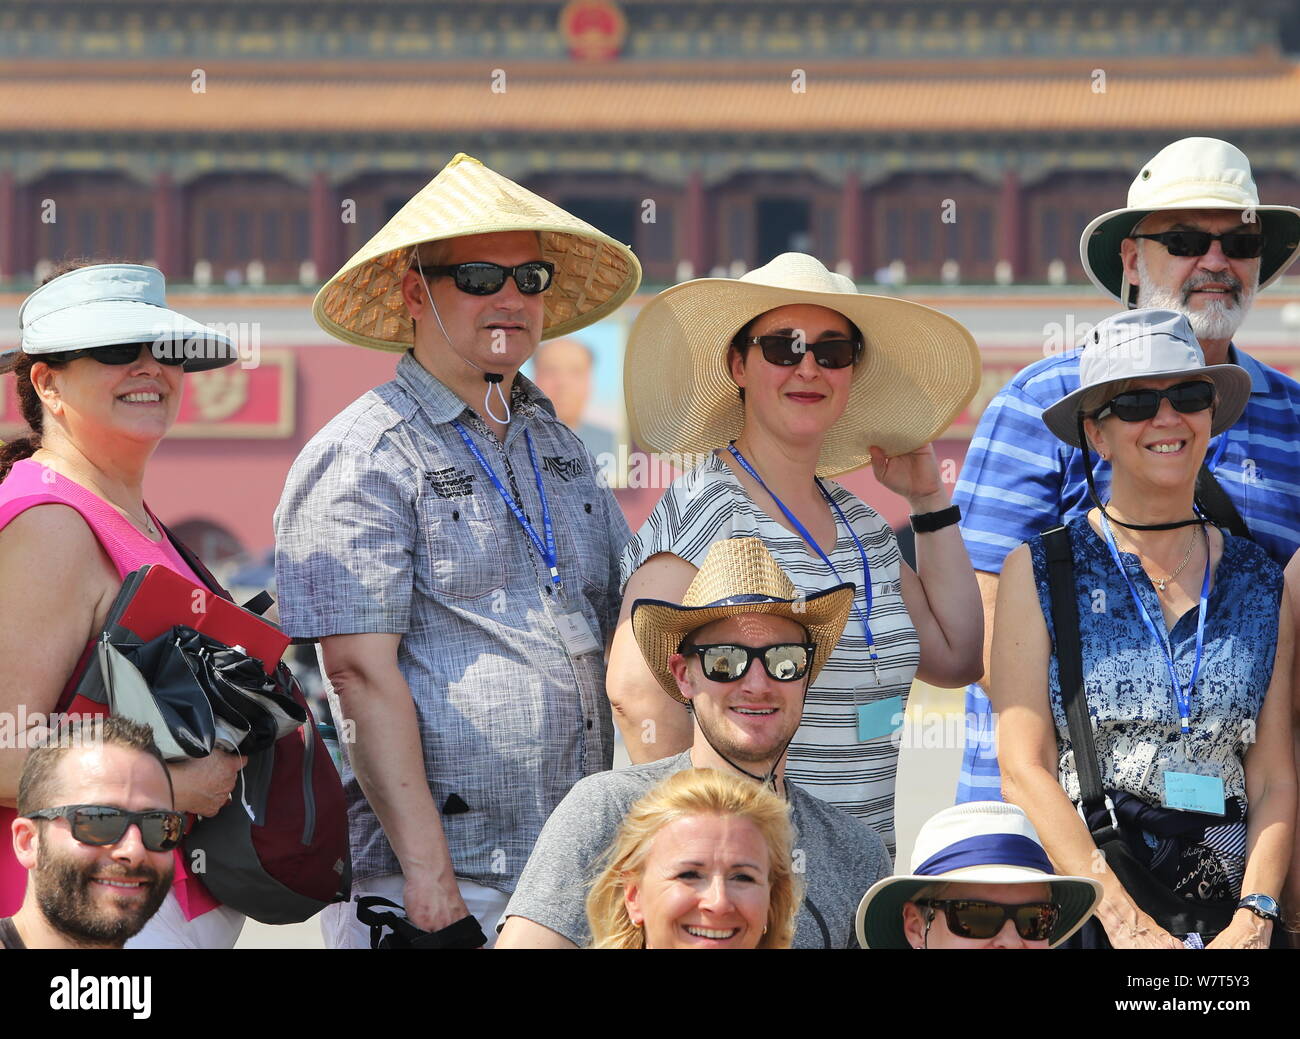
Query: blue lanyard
[
  {"x": 1182, "y": 693},
  {"x": 544, "y": 549},
  {"x": 803, "y": 533}
]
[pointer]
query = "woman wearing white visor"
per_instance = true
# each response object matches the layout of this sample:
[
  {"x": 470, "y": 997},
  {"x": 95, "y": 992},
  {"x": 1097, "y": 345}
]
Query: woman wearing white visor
[{"x": 99, "y": 373}]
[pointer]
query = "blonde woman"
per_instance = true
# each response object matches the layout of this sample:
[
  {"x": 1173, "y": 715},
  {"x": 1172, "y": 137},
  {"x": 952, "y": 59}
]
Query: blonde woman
[{"x": 701, "y": 862}]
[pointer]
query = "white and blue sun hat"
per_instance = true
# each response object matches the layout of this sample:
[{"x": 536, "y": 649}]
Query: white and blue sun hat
[
  {"x": 981, "y": 842},
  {"x": 109, "y": 304}
]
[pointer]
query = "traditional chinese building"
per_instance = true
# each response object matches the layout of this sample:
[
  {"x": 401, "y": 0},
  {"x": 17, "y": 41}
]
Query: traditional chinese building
[
  {"x": 245, "y": 140},
  {"x": 244, "y": 144}
]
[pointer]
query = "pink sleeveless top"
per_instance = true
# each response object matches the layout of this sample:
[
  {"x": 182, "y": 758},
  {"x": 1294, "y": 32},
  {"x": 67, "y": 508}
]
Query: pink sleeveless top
[{"x": 30, "y": 484}]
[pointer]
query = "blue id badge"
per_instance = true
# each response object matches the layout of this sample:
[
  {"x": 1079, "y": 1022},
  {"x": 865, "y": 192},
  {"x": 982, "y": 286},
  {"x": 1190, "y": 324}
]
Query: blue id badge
[
  {"x": 1193, "y": 791},
  {"x": 882, "y": 718}
]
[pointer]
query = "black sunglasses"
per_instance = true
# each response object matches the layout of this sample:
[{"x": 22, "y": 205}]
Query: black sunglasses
[
  {"x": 789, "y": 350},
  {"x": 120, "y": 353},
  {"x": 480, "y": 278},
  {"x": 100, "y": 825},
  {"x": 1140, "y": 405},
  {"x": 785, "y": 661},
  {"x": 1237, "y": 245},
  {"x": 970, "y": 918}
]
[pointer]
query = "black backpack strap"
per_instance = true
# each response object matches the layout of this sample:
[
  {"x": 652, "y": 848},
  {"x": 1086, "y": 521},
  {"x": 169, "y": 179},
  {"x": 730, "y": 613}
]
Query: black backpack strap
[
  {"x": 1217, "y": 507},
  {"x": 465, "y": 933},
  {"x": 258, "y": 604},
  {"x": 1069, "y": 659},
  {"x": 195, "y": 564}
]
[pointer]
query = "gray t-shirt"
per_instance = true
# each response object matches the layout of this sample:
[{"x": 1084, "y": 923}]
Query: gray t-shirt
[{"x": 840, "y": 857}]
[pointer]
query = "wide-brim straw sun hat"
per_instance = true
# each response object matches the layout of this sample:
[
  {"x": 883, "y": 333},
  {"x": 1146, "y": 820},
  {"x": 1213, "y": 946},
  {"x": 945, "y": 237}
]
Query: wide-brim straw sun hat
[
  {"x": 594, "y": 274},
  {"x": 738, "y": 576},
  {"x": 980, "y": 842},
  {"x": 1147, "y": 344},
  {"x": 108, "y": 304},
  {"x": 1193, "y": 173},
  {"x": 918, "y": 370}
]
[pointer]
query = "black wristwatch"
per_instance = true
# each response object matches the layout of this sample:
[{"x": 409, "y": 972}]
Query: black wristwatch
[
  {"x": 929, "y": 522},
  {"x": 1262, "y": 906}
]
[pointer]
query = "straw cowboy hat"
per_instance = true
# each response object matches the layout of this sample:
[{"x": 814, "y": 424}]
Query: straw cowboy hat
[
  {"x": 919, "y": 368},
  {"x": 1194, "y": 173},
  {"x": 738, "y": 576},
  {"x": 594, "y": 274},
  {"x": 981, "y": 842},
  {"x": 1147, "y": 344}
]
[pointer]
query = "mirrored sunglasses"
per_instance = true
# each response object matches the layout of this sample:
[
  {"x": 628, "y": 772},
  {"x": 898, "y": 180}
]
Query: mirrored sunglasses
[
  {"x": 784, "y": 662},
  {"x": 1140, "y": 405},
  {"x": 1237, "y": 245},
  {"x": 480, "y": 278},
  {"x": 101, "y": 825},
  {"x": 970, "y": 918},
  {"x": 789, "y": 350},
  {"x": 121, "y": 353}
]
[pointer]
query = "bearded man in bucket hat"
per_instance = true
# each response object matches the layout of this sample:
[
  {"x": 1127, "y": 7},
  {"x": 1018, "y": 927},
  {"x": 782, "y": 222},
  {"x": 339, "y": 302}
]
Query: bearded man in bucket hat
[
  {"x": 446, "y": 540},
  {"x": 742, "y": 649},
  {"x": 1189, "y": 240}
]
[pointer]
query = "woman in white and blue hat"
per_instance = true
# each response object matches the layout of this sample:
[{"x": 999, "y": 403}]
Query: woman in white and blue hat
[
  {"x": 980, "y": 879},
  {"x": 1184, "y": 638},
  {"x": 99, "y": 379}
]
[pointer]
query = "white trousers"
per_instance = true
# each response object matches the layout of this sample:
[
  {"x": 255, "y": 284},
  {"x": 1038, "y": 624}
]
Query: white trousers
[
  {"x": 168, "y": 928},
  {"x": 342, "y": 930}
]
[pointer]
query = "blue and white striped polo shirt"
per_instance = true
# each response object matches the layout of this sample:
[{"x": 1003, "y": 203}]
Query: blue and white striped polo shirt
[{"x": 1019, "y": 480}]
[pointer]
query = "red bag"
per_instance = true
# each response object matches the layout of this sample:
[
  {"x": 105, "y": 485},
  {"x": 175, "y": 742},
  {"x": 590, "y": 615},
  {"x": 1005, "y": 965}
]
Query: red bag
[
  {"x": 284, "y": 857},
  {"x": 278, "y": 851}
]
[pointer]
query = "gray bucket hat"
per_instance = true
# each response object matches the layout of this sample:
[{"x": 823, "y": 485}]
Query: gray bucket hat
[
  {"x": 108, "y": 304},
  {"x": 1147, "y": 344}
]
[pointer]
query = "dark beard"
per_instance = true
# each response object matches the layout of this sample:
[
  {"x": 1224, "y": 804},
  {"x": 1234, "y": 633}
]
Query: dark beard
[{"x": 63, "y": 893}]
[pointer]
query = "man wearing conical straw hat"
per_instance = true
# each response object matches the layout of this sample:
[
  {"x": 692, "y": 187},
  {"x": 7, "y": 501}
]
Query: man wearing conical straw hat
[{"x": 447, "y": 542}]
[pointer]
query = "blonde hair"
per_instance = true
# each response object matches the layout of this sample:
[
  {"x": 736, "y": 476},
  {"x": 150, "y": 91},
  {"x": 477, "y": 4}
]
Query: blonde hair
[{"x": 693, "y": 792}]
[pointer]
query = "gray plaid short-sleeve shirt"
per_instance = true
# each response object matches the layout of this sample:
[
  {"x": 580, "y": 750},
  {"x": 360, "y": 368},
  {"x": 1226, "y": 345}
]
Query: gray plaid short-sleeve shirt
[{"x": 388, "y": 524}]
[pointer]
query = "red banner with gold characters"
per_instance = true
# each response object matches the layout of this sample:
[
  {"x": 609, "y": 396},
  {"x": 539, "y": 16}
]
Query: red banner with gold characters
[{"x": 235, "y": 401}]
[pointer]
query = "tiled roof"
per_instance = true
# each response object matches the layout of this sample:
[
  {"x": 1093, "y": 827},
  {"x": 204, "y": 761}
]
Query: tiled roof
[{"x": 1013, "y": 104}]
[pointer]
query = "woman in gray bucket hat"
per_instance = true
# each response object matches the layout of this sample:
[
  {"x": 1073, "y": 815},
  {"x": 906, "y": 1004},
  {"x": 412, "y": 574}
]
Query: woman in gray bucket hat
[{"x": 1185, "y": 653}]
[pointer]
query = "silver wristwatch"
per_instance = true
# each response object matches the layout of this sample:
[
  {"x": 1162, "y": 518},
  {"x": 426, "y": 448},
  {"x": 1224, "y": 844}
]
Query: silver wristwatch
[{"x": 1262, "y": 906}]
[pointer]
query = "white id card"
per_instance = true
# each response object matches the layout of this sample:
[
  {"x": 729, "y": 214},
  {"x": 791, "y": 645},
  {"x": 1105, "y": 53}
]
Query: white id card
[{"x": 576, "y": 632}]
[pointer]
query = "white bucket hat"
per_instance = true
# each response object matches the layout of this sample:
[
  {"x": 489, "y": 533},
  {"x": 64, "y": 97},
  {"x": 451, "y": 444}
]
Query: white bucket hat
[
  {"x": 1147, "y": 344},
  {"x": 1194, "y": 173},
  {"x": 594, "y": 274},
  {"x": 981, "y": 842},
  {"x": 108, "y": 304},
  {"x": 919, "y": 367}
]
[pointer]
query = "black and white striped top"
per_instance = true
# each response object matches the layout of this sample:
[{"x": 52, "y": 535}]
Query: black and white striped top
[{"x": 826, "y": 758}]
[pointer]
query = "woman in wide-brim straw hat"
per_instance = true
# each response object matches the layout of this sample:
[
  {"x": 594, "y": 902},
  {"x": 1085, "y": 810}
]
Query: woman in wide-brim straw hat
[
  {"x": 1185, "y": 655},
  {"x": 779, "y": 380}
]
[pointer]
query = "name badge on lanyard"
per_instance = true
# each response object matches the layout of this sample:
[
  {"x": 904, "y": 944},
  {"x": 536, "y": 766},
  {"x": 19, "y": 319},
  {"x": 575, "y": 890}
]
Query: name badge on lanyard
[
  {"x": 574, "y": 630},
  {"x": 1187, "y": 785}
]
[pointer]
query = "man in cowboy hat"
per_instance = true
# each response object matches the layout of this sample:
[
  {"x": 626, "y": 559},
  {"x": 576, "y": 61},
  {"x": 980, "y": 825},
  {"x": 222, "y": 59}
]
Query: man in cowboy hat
[
  {"x": 1195, "y": 239},
  {"x": 741, "y": 650},
  {"x": 447, "y": 541}
]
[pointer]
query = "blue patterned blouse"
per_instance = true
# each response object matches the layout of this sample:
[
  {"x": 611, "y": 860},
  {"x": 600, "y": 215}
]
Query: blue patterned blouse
[{"x": 1127, "y": 681}]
